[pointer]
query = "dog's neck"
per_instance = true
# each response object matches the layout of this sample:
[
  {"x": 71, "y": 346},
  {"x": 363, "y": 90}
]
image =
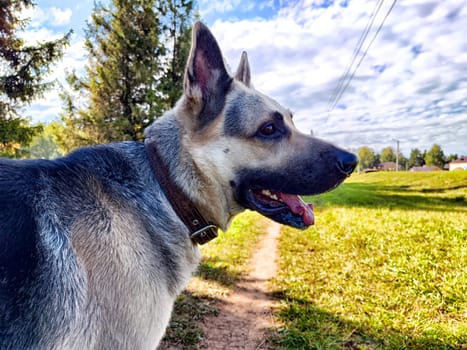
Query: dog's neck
[{"x": 201, "y": 229}]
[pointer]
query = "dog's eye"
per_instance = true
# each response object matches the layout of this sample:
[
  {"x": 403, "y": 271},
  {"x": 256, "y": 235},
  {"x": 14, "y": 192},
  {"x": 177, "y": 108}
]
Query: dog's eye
[{"x": 268, "y": 129}]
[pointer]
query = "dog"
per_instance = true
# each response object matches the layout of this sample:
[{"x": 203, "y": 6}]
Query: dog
[{"x": 95, "y": 246}]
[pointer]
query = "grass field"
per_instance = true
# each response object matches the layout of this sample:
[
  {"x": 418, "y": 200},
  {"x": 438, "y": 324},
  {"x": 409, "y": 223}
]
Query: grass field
[{"x": 384, "y": 267}]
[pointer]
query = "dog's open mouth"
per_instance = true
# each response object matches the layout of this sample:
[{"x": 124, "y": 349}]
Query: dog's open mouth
[{"x": 284, "y": 208}]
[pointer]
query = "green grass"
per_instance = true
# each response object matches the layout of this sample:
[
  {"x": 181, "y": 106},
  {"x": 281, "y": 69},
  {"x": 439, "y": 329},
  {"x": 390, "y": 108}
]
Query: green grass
[
  {"x": 384, "y": 267},
  {"x": 224, "y": 260}
]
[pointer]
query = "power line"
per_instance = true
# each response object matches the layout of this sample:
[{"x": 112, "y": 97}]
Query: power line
[
  {"x": 336, "y": 100},
  {"x": 355, "y": 53},
  {"x": 364, "y": 54}
]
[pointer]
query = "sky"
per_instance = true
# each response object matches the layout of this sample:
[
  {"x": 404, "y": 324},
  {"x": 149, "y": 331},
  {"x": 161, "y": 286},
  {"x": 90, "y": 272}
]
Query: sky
[{"x": 411, "y": 86}]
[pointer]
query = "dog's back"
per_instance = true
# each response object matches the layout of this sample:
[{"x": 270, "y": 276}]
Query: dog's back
[{"x": 75, "y": 234}]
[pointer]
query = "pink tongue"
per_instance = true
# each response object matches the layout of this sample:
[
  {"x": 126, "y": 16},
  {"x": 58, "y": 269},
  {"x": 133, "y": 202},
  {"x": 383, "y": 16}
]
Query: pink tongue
[{"x": 299, "y": 207}]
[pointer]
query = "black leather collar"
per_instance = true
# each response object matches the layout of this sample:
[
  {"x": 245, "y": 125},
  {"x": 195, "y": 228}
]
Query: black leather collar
[{"x": 201, "y": 230}]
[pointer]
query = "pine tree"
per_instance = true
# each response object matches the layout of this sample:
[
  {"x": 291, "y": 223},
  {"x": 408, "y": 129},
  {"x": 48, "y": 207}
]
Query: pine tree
[
  {"x": 124, "y": 47},
  {"x": 22, "y": 71},
  {"x": 177, "y": 29},
  {"x": 134, "y": 72}
]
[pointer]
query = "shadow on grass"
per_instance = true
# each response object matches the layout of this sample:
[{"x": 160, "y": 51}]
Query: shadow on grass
[
  {"x": 310, "y": 327},
  {"x": 393, "y": 197},
  {"x": 214, "y": 269},
  {"x": 305, "y": 327}
]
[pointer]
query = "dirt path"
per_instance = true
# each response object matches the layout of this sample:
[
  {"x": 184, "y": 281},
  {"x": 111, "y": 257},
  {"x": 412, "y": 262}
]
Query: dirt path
[{"x": 246, "y": 313}]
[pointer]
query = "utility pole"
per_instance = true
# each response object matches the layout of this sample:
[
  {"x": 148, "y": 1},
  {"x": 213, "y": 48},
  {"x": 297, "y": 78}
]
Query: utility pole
[{"x": 397, "y": 154}]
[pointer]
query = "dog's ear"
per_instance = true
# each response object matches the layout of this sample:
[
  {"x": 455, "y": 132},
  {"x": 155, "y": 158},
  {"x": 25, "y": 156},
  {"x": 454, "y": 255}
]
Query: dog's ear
[
  {"x": 243, "y": 73},
  {"x": 206, "y": 78}
]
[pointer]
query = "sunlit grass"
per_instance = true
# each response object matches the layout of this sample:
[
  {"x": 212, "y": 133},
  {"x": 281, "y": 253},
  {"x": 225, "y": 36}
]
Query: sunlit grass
[{"x": 385, "y": 267}]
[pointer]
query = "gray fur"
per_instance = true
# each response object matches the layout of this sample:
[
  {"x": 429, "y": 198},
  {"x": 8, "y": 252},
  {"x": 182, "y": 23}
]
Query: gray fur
[{"x": 82, "y": 251}]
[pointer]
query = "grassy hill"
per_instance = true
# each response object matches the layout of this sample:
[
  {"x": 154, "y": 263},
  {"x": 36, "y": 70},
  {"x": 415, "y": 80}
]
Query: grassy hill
[{"x": 384, "y": 267}]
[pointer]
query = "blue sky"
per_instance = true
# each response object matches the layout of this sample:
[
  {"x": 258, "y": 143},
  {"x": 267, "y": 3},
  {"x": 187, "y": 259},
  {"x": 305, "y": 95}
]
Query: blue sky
[{"x": 411, "y": 86}]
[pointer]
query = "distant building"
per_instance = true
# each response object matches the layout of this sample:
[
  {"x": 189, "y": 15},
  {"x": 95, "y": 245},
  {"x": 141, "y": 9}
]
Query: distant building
[
  {"x": 388, "y": 166},
  {"x": 425, "y": 168},
  {"x": 458, "y": 164}
]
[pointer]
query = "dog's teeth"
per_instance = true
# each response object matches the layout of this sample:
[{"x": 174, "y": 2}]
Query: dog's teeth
[{"x": 268, "y": 193}]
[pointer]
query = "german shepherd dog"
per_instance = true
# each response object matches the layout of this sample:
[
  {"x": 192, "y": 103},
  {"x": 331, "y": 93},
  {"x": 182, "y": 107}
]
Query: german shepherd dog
[{"x": 96, "y": 246}]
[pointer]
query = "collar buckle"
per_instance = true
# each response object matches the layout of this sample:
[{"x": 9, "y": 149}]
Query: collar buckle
[{"x": 205, "y": 234}]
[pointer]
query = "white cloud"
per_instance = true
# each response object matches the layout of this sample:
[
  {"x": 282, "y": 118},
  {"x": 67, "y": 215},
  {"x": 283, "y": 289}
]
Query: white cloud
[
  {"x": 51, "y": 16},
  {"x": 411, "y": 85},
  {"x": 60, "y": 17},
  {"x": 220, "y": 6}
]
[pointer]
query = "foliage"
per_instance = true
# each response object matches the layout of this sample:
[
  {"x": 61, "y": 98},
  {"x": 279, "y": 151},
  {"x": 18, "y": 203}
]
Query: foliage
[
  {"x": 22, "y": 72},
  {"x": 451, "y": 157},
  {"x": 44, "y": 145},
  {"x": 367, "y": 157},
  {"x": 123, "y": 42},
  {"x": 134, "y": 73},
  {"x": 388, "y": 155},
  {"x": 435, "y": 156},
  {"x": 384, "y": 267},
  {"x": 177, "y": 31},
  {"x": 416, "y": 158},
  {"x": 14, "y": 134},
  {"x": 403, "y": 162}
]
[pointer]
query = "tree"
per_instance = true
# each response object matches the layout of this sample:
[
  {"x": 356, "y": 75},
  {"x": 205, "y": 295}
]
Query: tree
[
  {"x": 15, "y": 133},
  {"x": 78, "y": 127},
  {"x": 377, "y": 159},
  {"x": 388, "y": 155},
  {"x": 177, "y": 29},
  {"x": 44, "y": 145},
  {"x": 435, "y": 156},
  {"x": 403, "y": 162},
  {"x": 124, "y": 46},
  {"x": 451, "y": 157},
  {"x": 366, "y": 157},
  {"x": 416, "y": 158},
  {"x": 22, "y": 71},
  {"x": 131, "y": 74}
]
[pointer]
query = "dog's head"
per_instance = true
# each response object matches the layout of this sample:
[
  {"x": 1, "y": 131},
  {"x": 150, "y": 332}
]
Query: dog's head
[{"x": 246, "y": 145}]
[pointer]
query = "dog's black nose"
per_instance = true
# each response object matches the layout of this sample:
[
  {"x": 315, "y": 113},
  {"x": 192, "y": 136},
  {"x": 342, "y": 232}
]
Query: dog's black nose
[{"x": 346, "y": 162}]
